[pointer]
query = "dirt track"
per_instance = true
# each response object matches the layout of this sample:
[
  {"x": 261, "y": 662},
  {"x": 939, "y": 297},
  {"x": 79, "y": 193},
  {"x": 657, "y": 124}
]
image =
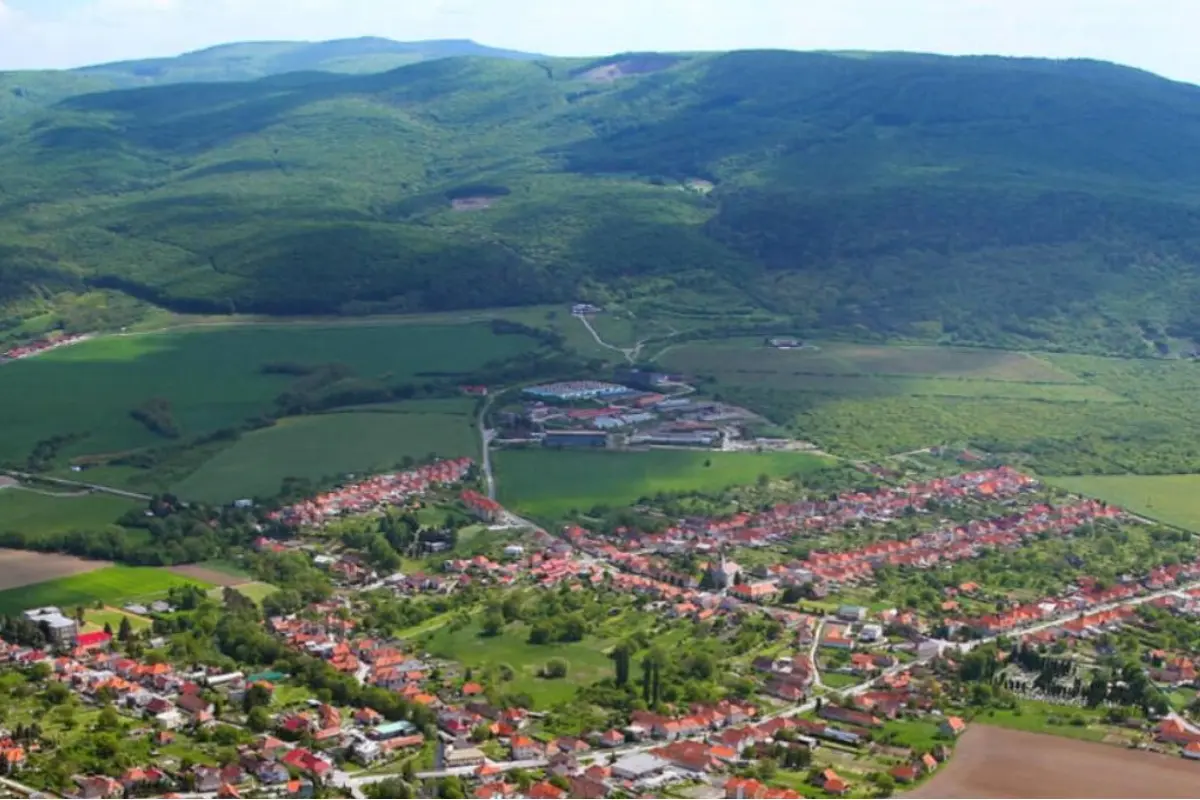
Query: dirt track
[
  {"x": 996, "y": 762},
  {"x": 23, "y": 568}
]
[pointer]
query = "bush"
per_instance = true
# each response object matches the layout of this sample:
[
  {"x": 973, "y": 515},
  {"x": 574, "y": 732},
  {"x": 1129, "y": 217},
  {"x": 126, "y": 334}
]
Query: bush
[{"x": 555, "y": 668}]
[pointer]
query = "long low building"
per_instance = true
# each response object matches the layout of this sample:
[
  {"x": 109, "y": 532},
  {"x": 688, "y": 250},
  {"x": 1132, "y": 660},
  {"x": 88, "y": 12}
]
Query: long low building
[{"x": 639, "y": 767}]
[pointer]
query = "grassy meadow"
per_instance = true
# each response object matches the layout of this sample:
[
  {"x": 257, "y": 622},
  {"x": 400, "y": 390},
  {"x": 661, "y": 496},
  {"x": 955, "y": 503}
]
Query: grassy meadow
[
  {"x": 548, "y": 483},
  {"x": 587, "y": 660},
  {"x": 96, "y": 619},
  {"x": 331, "y": 444},
  {"x": 1173, "y": 499},
  {"x": 211, "y": 376},
  {"x": 34, "y": 514},
  {"x": 112, "y": 586},
  {"x": 1053, "y": 413}
]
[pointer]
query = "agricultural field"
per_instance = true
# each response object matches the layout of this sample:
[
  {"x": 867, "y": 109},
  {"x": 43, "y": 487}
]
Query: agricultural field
[
  {"x": 212, "y": 377},
  {"x": 34, "y": 513},
  {"x": 994, "y": 762},
  {"x": 24, "y": 568},
  {"x": 1172, "y": 499},
  {"x": 550, "y": 483},
  {"x": 113, "y": 585},
  {"x": 1054, "y": 414},
  {"x": 330, "y": 444}
]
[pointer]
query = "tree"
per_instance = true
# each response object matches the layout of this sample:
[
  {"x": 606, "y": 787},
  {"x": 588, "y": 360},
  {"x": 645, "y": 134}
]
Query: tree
[
  {"x": 555, "y": 668},
  {"x": 886, "y": 784},
  {"x": 258, "y": 720},
  {"x": 493, "y": 623},
  {"x": 125, "y": 632},
  {"x": 108, "y": 629},
  {"x": 621, "y": 655}
]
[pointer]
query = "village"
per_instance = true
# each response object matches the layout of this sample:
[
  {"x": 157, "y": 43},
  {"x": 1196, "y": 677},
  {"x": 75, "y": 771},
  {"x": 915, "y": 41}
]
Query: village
[{"x": 803, "y": 685}]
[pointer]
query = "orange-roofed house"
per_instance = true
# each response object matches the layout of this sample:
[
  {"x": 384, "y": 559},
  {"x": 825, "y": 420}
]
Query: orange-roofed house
[
  {"x": 545, "y": 791},
  {"x": 833, "y": 783},
  {"x": 953, "y": 726}
]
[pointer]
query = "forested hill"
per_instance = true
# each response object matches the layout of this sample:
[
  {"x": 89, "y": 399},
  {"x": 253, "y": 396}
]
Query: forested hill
[{"x": 985, "y": 200}]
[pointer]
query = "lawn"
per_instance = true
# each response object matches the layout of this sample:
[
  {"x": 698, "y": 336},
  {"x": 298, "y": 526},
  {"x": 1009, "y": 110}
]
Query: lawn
[
  {"x": 549, "y": 483},
  {"x": 35, "y": 514},
  {"x": 111, "y": 585},
  {"x": 326, "y": 445},
  {"x": 1038, "y": 717},
  {"x": 212, "y": 376},
  {"x": 839, "y": 680},
  {"x": 112, "y": 617},
  {"x": 586, "y": 660},
  {"x": 254, "y": 590},
  {"x": 1173, "y": 499}
]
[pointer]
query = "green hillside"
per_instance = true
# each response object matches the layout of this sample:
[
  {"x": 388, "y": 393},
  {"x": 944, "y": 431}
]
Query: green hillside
[
  {"x": 247, "y": 61},
  {"x": 1021, "y": 202}
]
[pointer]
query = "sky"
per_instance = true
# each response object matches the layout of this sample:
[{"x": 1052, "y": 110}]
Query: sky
[{"x": 1158, "y": 35}]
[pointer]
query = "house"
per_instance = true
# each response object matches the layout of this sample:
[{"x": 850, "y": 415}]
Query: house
[
  {"x": 12, "y": 759},
  {"x": 1192, "y": 751},
  {"x": 639, "y": 766},
  {"x": 196, "y": 706},
  {"x": 586, "y": 788},
  {"x": 308, "y": 762},
  {"x": 571, "y": 744},
  {"x": 852, "y": 717},
  {"x": 366, "y": 751},
  {"x": 208, "y": 779},
  {"x": 524, "y": 748},
  {"x": 612, "y": 738},
  {"x": 545, "y": 791},
  {"x": 99, "y": 787},
  {"x": 905, "y": 773},
  {"x": 831, "y": 782},
  {"x": 271, "y": 772},
  {"x": 851, "y": 613},
  {"x": 952, "y": 726},
  {"x": 745, "y": 789}
]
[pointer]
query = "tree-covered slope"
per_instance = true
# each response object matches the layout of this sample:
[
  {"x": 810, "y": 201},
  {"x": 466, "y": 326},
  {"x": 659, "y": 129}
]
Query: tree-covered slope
[{"x": 978, "y": 199}]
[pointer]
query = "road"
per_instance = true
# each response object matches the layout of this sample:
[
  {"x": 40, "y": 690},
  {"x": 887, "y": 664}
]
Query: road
[
  {"x": 95, "y": 487},
  {"x": 630, "y": 353},
  {"x": 503, "y": 766},
  {"x": 812, "y": 654},
  {"x": 485, "y": 447}
]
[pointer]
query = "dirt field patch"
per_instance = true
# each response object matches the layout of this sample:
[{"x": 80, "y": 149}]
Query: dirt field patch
[
  {"x": 213, "y": 576},
  {"x": 6, "y": 482},
  {"x": 23, "y": 568},
  {"x": 472, "y": 203},
  {"x": 996, "y": 762}
]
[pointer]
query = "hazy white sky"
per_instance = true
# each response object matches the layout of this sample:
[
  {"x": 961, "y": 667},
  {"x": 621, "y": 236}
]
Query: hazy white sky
[{"x": 1159, "y": 35}]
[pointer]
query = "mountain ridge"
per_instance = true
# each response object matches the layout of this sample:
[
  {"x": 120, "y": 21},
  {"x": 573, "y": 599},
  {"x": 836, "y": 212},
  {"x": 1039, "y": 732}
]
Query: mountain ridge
[{"x": 896, "y": 194}]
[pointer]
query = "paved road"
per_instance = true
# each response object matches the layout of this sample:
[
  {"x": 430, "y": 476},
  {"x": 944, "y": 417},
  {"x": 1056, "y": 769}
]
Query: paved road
[
  {"x": 95, "y": 487},
  {"x": 485, "y": 447}
]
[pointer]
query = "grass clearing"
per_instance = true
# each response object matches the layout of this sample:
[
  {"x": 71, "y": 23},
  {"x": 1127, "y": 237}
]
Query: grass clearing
[
  {"x": 36, "y": 515},
  {"x": 552, "y": 482},
  {"x": 1173, "y": 499},
  {"x": 586, "y": 660},
  {"x": 326, "y": 445},
  {"x": 114, "y": 585},
  {"x": 112, "y": 617},
  {"x": 211, "y": 376},
  {"x": 1037, "y": 717},
  {"x": 254, "y": 590},
  {"x": 753, "y": 356}
]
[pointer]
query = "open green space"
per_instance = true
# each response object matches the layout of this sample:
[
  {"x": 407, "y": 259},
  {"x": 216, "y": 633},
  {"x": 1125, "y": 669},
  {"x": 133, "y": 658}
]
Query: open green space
[
  {"x": 1038, "y": 717},
  {"x": 553, "y": 482},
  {"x": 753, "y": 357},
  {"x": 326, "y": 445},
  {"x": 34, "y": 513},
  {"x": 586, "y": 660},
  {"x": 212, "y": 377},
  {"x": 112, "y": 617},
  {"x": 112, "y": 586},
  {"x": 252, "y": 590},
  {"x": 1173, "y": 499}
]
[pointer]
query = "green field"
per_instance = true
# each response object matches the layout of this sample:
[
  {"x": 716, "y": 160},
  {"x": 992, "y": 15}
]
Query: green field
[
  {"x": 35, "y": 514},
  {"x": 252, "y": 590},
  {"x": 1038, "y": 717},
  {"x": 98, "y": 619},
  {"x": 212, "y": 376},
  {"x": 1173, "y": 499},
  {"x": 551, "y": 482},
  {"x": 586, "y": 660},
  {"x": 111, "y": 586},
  {"x": 327, "y": 445}
]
